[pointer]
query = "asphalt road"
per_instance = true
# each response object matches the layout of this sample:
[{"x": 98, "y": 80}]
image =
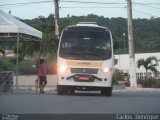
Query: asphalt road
[{"x": 121, "y": 102}]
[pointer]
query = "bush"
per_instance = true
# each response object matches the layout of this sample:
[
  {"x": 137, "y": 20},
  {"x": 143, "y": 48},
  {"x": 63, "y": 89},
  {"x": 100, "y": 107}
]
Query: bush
[
  {"x": 117, "y": 76},
  {"x": 157, "y": 84},
  {"x": 7, "y": 64},
  {"x": 149, "y": 83},
  {"x": 27, "y": 67}
]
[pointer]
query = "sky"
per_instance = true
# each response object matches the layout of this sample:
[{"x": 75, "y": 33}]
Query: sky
[{"x": 30, "y": 11}]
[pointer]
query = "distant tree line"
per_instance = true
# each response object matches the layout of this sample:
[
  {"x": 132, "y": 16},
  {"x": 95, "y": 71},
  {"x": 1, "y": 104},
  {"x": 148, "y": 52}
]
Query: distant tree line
[{"x": 146, "y": 33}]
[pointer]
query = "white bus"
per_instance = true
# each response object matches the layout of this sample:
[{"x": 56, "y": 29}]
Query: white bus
[{"x": 85, "y": 59}]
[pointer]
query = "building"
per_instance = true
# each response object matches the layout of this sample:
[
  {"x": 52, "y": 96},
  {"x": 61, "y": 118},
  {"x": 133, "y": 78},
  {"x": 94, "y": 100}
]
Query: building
[{"x": 123, "y": 63}]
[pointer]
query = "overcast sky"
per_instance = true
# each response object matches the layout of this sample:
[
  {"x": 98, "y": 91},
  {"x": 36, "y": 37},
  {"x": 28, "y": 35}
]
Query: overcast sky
[{"x": 30, "y": 11}]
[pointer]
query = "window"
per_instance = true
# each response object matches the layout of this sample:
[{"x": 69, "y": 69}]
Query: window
[{"x": 86, "y": 44}]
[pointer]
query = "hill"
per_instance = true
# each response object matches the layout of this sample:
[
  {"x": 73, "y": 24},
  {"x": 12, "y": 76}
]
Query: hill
[{"x": 146, "y": 31}]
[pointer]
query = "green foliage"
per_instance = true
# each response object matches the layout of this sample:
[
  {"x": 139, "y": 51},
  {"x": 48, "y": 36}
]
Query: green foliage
[
  {"x": 146, "y": 31},
  {"x": 46, "y": 25},
  {"x": 2, "y": 51},
  {"x": 7, "y": 64},
  {"x": 27, "y": 67},
  {"x": 149, "y": 83},
  {"x": 27, "y": 49},
  {"x": 117, "y": 75},
  {"x": 157, "y": 84},
  {"x": 146, "y": 36}
]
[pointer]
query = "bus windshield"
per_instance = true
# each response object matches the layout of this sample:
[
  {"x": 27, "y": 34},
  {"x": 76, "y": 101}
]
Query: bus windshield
[{"x": 85, "y": 44}]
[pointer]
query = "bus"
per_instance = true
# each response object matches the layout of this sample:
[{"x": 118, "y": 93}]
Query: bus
[{"x": 85, "y": 59}]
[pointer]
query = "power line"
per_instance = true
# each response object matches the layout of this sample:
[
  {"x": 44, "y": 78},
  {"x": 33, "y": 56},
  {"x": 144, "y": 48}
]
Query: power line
[
  {"x": 147, "y": 5},
  {"x": 86, "y": 2},
  {"x": 145, "y": 13},
  {"x": 73, "y": 1},
  {"x": 25, "y": 3},
  {"x": 90, "y": 7}
]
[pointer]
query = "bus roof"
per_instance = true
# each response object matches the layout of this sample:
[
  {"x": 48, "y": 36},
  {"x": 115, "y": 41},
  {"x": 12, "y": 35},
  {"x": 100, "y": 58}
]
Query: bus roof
[
  {"x": 94, "y": 24},
  {"x": 86, "y": 25}
]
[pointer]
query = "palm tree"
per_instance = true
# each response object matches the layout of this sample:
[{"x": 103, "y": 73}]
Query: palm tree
[{"x": 149, "y": 64}]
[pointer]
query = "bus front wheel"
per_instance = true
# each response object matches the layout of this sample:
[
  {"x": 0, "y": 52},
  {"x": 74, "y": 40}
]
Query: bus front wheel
[
  {"x": 107, "y": 91},
  {"x": 71, "y": 91},
  {"x": 59, "y": 90}
]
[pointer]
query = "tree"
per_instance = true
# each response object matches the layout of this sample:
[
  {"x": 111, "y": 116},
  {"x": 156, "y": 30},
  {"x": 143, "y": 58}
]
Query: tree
[
  {"x": 2, "y": 51},
  {"x": 27, "y": 49},
  {"x": 115, "y": 61},
  {"x": 146, "y": 31},
  {"x": 149, "y": 63}
]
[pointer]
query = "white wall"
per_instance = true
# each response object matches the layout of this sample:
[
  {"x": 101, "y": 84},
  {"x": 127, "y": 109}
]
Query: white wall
[
  {"x": 29, "y": 80},
  {"x": 123, "y": 61}
]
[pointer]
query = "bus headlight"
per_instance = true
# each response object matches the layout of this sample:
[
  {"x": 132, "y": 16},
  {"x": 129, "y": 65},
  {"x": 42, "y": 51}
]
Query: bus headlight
[
  {"x": 63, "y": 68},
  {"x": 105, "y": 70}
]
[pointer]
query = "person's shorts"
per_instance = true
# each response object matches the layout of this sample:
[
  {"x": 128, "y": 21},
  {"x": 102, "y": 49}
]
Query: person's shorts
[{"x": 43, "y": 80}]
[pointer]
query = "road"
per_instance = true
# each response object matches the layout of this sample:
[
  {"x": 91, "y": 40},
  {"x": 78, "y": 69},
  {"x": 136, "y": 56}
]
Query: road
[{"x": 122, "y": 101}]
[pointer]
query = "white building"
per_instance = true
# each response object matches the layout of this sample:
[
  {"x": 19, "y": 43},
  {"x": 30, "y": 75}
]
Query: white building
[{"x": 123, "y": 63}]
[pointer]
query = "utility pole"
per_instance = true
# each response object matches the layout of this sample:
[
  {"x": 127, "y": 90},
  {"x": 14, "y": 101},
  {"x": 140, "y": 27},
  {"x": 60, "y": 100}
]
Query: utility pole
[
  {"x": 57, "y": 33},
  {"x": 132, "y": 65}
]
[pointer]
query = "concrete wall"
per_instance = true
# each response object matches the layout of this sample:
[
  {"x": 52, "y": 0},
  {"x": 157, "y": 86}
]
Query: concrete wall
[{"x": 29, "y": 80}]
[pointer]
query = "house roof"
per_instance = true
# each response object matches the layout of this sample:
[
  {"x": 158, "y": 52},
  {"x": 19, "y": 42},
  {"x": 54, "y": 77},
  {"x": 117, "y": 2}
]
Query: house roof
[{"x": 9, "y": 24}]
